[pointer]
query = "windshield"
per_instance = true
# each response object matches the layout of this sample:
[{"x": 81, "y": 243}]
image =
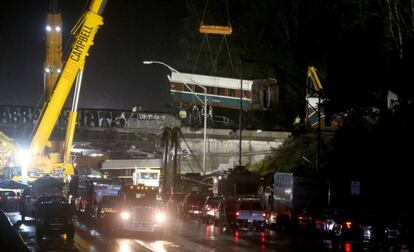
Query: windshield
[
  {"x": 7, "y": 193},
  {"x": 59, "y": 199},
  {"x": 149, "y": 175},
  {"x": 195, "y": 199},
  {"x": 250, "y": 205},
  {"x": 110, "y": 202},
  {"x": 55, "y": 209}
]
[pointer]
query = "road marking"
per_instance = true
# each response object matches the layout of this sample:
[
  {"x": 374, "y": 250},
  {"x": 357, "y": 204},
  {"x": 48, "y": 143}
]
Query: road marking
[{"x": 159, "y": 246}]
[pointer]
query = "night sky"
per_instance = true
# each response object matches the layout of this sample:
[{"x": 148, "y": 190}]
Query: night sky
[{"x": 114, "y": 75}]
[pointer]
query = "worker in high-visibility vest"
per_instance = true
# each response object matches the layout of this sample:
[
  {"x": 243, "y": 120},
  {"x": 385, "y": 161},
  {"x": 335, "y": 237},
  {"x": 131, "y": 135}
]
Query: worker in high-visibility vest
[
  {"x": 182, "y": 114},
  {"x": 296, "y": 123},
  {"x": 210, "y": 111},
  {"x": 210, "y": 115}
]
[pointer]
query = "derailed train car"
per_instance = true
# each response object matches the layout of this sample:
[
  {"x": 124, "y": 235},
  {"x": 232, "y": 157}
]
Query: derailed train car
[{"x": 261, "y": 94}]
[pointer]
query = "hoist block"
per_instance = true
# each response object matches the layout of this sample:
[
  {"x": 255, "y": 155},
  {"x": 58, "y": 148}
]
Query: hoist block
[{"x": 216, "y": 29}]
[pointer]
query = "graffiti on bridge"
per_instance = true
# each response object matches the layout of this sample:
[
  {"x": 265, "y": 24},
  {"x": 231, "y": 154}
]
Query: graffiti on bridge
[{"x": 18, "y": 116}]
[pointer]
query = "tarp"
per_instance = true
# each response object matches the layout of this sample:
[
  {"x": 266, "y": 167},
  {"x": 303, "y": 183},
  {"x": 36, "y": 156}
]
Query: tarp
[
  {"x": 11, "y": 184},
  {"x": 47, "y": 181}
]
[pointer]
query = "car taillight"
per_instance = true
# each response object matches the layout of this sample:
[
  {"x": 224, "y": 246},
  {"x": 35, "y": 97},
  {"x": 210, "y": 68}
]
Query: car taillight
[
  {"x": 348, "y": 247},
  {"x": 348, "y": 224},
  {"x": 237, "y": 214}
]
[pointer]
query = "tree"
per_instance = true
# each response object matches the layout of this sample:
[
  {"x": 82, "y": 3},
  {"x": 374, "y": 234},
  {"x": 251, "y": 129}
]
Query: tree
[{"x": 297, "y": 155}]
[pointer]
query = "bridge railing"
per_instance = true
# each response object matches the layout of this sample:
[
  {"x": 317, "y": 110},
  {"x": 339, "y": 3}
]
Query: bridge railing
[{"x": 13, "y": 117}]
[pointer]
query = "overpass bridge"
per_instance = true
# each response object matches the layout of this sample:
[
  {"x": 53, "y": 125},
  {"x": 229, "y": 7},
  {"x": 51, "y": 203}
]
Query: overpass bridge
[{"x": 130, "y": 135}]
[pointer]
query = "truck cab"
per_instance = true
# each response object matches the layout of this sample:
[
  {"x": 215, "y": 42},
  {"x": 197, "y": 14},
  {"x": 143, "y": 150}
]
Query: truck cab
[
  {"x": 108, "y": 212},
  {"x": 142, "y": 210}
]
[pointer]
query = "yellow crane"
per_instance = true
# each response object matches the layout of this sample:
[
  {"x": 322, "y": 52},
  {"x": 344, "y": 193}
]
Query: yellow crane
[{"x": 84, "y": 33}]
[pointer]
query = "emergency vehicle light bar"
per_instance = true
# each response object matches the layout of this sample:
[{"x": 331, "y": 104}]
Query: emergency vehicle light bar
[{"x": 142, "y": 187}]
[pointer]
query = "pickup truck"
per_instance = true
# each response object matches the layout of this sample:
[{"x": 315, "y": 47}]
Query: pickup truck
[{"x": 251, "y": 214}]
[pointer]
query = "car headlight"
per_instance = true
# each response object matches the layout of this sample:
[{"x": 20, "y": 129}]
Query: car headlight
[
  {"x": 160, "y": 217},
  {"x": 125, "y": 215}
]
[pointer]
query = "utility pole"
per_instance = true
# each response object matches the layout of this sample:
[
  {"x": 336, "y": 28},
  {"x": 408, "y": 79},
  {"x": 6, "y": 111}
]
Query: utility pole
[
  {"x": 164, "y": 171},
  {"x": 174, "y": 139},
  {"x": 241, "y": 108},
  {"x": 318, "y": 139}
]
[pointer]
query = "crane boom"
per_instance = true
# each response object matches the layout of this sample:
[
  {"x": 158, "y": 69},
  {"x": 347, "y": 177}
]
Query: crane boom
[
  {"x": 53, "y": 63},
  {"x": 84, "y": 33},
  {"x": 317, "y": 85}
]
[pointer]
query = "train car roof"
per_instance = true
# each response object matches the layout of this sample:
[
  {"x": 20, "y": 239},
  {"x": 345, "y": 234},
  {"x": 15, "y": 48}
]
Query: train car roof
[{"x": 209, "y": 81}]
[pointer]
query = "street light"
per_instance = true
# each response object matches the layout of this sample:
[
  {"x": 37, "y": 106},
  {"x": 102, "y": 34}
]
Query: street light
[{"x": 204, "y": 103}]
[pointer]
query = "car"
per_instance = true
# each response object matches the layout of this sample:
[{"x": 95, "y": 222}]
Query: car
[
  {"x": 192, "y": 205},
  {"x": 251, "y": 214},
  {"x": 43, "y": 199},
  {"x": 31, "y": 198},
  {"x": 386, "y": 230},
  {"x": 222, "y": 122},
  {"x": 337, "y": 223},
  {"x": 55, "y": 218},
  {"x": 10, "y": 239},
  {"x": 210, "y": 210},
  {"x": 9, "y": 201},
  {"x": 227, "y": 213}
]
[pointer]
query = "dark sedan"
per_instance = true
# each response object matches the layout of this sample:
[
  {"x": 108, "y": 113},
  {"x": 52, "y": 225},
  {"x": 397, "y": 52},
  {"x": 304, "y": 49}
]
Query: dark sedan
[
  {"x": 9, "y": 201},
  {"x": 10, "y": 239},
  {"x": 55, "y": 218}
]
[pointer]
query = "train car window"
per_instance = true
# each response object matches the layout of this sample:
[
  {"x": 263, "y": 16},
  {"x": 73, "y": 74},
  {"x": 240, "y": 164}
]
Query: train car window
[
  {"x": 247, "y": 94},
  {"x": 232, "y": 92},
  {"x": 198, "y": 89},
  {"x": 220, "y": 91},
  {"x": 177, "y": 86},
  {"x": 211, "y": 90}
]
